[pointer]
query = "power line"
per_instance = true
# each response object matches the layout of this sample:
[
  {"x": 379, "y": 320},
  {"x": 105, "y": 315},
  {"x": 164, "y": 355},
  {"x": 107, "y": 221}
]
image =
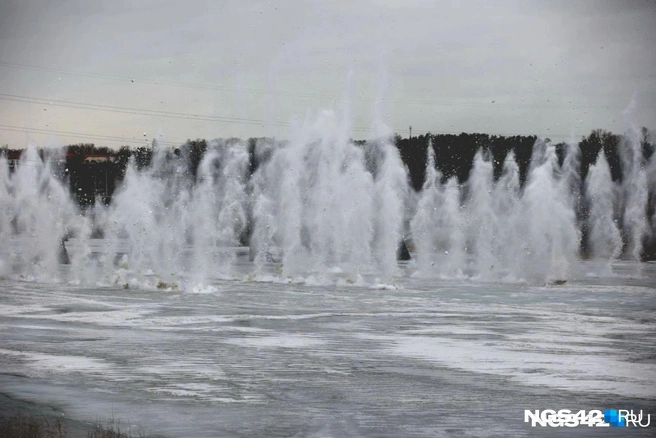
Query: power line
[
  {"x": 157, "y": 82},
  {"x": 188, "y": 116},
  {"x": 136, "y": 111},
  {"x": 146, "y": 112},
  {"x": 447, "y": 103},
  {"x": 127, "y": 141},
  {"x": 123, "y": 140}
]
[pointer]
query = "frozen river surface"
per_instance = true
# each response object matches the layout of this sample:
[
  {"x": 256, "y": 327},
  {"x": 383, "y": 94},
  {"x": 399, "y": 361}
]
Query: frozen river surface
[{"x": 430, "y": 358}]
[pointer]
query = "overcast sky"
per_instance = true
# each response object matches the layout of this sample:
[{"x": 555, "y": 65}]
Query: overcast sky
[{"x": 109, "y": 72}]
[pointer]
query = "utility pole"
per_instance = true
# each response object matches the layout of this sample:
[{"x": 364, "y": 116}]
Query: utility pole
[{"x": 410, "y": 132}]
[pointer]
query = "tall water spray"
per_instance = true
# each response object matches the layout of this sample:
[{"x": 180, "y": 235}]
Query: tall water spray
[
  {"x": 482, "y": 224},
  {"x": 635, "y": 193},
  {"x": 496, "y": 231},
  {"x": 167, "y": 224},
  {"x": 390, "y": 193},
  {"x": 507, "y": 204},
  {"x": 553, "y": 239},
  {"x": 5, "y": 214},
  {"x": 219, "y": 213},
  {"x": 437, "y": 227},
  {"x": 605, "y": 240},
  {"x": 37, "y": 214},
  {"x": 321, "y": 209},
  {"x": 651, "y": 179}
]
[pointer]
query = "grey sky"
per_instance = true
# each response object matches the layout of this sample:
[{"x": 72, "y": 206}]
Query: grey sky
[{"x": 553, "y": 68}]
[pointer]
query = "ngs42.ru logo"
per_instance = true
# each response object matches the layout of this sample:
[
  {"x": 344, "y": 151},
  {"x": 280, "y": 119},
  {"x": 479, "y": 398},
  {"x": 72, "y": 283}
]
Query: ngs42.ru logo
[{"x": 593, "y": 418}]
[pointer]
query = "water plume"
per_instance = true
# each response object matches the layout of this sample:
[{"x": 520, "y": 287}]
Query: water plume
[
  {"x": 38, "y": 214},
  {"x": 635, "y": 194},
  {"x": 552, "y": 239},
  {"x": 168, "y": 225},
  {"x": 497, "y": 231},
  {"x": 322, "y": 210},
  {"x": 605, "y": 240},
  {"x": 437, "y": 227}
]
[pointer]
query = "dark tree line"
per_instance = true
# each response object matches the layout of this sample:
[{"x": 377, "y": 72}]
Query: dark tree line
[
  {"x": 89, "y": 177},
  {"x": 455, "y": 155},
  {"x": 95, "y": 172}
]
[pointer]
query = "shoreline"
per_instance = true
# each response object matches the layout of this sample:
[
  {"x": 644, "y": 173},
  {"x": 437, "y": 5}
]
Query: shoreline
[{"x": 11, "y": 406}]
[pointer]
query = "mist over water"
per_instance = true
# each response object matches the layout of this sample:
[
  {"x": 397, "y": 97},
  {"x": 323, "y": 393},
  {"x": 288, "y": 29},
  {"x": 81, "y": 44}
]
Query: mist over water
[
  {"x": 36, "y": 214},
  {"x": 322, "y": 208},
  {"x": 495, "y": 231},
  {"x": 634, "y": 192},
  {"x": 323, "y": 203},
  {"x": 438, "y": 232},
  {"x": 605, "y": 237},
  {"x": 164, "y": 222}
]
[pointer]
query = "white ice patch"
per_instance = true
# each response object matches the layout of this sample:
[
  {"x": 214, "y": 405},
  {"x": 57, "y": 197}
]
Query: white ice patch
[
  {"x": 57, "y": 363},
  {"x": 204, "y": 289},
  {"x": 383, "y": 286},
  {"x": 286, "y": 341},
  {"x": 575, "y": 372}
]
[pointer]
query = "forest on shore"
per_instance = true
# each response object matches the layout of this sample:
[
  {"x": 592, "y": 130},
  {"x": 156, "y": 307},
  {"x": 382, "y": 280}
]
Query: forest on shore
[{"x": 93, "y": 172}]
